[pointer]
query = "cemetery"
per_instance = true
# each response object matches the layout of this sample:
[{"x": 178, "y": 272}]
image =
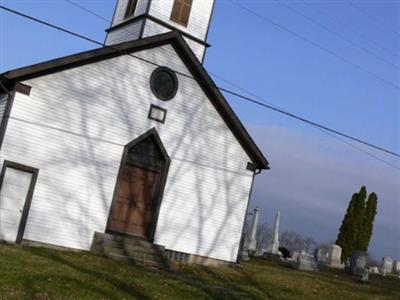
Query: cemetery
[
  {"x": 127, "y": 172},
  {"x": 84, "y": 275},
  {"x": 265, "y": 270},
  {"x": 324, "y": 258}
]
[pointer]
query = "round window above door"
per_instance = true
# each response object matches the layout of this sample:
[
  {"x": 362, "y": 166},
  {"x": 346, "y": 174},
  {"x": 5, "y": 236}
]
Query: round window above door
[{"x": 164, "y": 83}]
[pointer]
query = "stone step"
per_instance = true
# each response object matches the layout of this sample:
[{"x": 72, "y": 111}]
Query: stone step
[
  {"x": 140, "y": 262},
  {"x": 130, "y": 249},
  {"x": 134, "y": 254},
  {"x": 124, "y": 241}
]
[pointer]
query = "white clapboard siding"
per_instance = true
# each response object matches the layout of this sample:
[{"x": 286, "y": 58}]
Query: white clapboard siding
[
  {"x": 73, "y": 128},
  {"x": 197, "y": 48},
  {"x": 199, "y": 18},
  {"x": 3, "y": 103},
  {"x": 126, "y": 33},
  {"x": 120, "y": 9},
  {"x": 153, "y": 28}
]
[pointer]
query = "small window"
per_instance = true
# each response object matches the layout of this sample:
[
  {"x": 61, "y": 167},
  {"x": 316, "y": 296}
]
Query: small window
[
  {"x": 157, "y": 113},
  {"x": 130, "y": 9},
  {"x": 181, "y": 11},
  {"x": 164, "y": 83}
]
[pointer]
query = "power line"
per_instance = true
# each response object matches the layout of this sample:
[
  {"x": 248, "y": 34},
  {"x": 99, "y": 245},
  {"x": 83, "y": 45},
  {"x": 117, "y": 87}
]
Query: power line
[
  {"x": 323, "y": 48},
  {"x": 88, "y": 11},
  {"x": 309, "y": 122},
  {"x": 364, "y": 49},
  {"x": 321, "y": 25},
  {"x": 95, "y": 14},
  {"x": 80, "y": 36},
  {"x": 271, "y": 107},
  {"x": 377, "y": 20},
  {"x": 363, "y": 35},
  {"x": 364, "y": 151},
  {"x": 258, "y": 97},
  {"x": 339, "y": 35},
  {"x": 320, "y": 129}
]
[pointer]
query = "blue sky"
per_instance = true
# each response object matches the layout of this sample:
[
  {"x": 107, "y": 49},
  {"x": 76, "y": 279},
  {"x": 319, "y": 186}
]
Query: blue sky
[{"x": 312, "y": 175}]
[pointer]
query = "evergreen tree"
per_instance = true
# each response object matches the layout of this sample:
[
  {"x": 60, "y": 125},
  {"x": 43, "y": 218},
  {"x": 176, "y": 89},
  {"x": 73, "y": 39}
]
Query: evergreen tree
[
  {"x": 344, "y": 239},
  {"x": 358, "y": 221},
  {"x": 357, "y": 225},
  {"x": 369, "y": 218}
]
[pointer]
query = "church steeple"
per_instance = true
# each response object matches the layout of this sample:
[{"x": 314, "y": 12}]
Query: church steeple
[{"x": 136, "y": 19}]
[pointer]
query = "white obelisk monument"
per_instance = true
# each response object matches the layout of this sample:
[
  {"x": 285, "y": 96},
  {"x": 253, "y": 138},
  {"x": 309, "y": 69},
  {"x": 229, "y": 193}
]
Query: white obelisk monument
[
  {"x": 253, "y": 232},
  {"x": 274, "y": 246}
]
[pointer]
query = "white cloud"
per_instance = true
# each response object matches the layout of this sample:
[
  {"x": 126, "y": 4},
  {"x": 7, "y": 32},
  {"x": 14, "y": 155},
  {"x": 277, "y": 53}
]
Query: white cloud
[{"x": 311, "y": 180}]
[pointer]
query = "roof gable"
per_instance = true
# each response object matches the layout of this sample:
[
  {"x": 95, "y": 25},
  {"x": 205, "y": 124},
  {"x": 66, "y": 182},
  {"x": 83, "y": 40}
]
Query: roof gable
[{"x": 187, "y": 56}]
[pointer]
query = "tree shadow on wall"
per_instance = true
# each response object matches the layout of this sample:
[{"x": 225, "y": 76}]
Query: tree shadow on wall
[{"x": 92, "y": 123}]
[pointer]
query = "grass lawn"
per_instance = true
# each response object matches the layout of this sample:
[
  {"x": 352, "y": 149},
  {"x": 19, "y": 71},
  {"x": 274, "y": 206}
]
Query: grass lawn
[{"x": 35, "y": 273}]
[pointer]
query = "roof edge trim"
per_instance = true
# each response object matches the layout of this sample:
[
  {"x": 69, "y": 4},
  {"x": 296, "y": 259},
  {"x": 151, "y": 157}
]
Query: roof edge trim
[{"x": 189, "y": 59}]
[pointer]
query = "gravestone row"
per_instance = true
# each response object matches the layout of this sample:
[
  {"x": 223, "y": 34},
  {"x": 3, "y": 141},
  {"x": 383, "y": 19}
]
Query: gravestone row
[{"x": 328, "y": 257}]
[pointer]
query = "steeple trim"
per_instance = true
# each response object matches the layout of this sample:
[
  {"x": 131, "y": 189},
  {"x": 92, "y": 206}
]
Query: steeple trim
[{"x": 161, "y": 22}]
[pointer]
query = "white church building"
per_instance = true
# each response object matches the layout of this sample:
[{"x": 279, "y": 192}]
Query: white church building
[{"x": 132, "y": 139}]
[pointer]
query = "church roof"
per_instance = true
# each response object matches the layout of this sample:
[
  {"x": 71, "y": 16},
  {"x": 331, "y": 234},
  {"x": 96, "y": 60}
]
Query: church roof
[{"x": 186, "y": 54}]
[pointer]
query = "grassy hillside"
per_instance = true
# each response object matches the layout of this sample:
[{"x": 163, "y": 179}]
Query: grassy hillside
[{"x": 34, "y": 273}]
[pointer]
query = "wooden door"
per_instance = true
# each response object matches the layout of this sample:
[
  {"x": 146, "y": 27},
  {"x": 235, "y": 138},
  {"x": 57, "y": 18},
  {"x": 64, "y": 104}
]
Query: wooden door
[{"x": 134, "y": 205}]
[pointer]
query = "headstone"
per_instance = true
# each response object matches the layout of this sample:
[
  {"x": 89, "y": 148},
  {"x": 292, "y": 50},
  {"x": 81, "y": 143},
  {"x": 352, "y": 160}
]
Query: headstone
[
  {"x": 374, "y": 270},
  {"x": 396, "y": 267},
  {"x": 245, "y": 255},
  {"x": 347, "y": 263},
  {"x": 294, "y": 255},
  {"x": 334, "y": 256},
  {"x": 306, "y": 262},
  {"x": 321, "y": 255},
  {"x": 358, "y": 262},
  {"x": 387, "y": 265},
  {"x": 260, "y": 252},
  {"x": 273, "y": 246},
  {"x": 253, "y": 233},
  {"x": 365, "y": 276}
]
